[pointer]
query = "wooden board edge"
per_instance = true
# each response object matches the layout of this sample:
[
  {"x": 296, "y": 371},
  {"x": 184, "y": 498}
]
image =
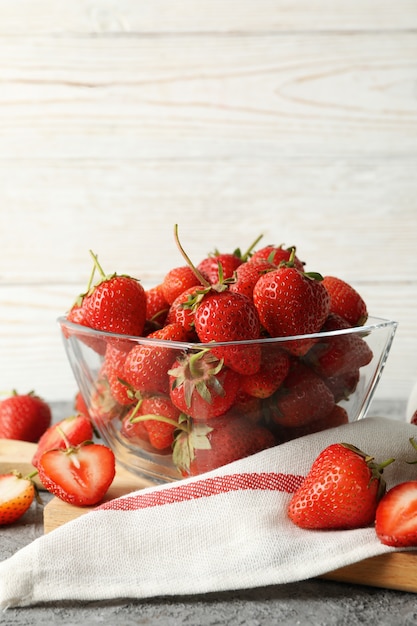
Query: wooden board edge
[{"x": 394, "y": 570}]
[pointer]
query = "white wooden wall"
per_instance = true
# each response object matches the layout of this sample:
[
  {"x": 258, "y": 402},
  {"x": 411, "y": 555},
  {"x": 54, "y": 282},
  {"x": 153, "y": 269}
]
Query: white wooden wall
[{"x": 118, "y": 118}]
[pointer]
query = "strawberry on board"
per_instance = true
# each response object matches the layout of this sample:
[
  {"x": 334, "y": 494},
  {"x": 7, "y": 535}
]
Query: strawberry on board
[
  {"x": 80, "y": 475},
  {"x": 290, "y": 302},
  {"x": 341, "y": 490},
  {"x": 24, "y": 417},
  {"x": 396, "y": 516},
  {"x": 75, "y": 429},
  {"x": 346, "y": 301},
  {"x": 16, "y": 496}
]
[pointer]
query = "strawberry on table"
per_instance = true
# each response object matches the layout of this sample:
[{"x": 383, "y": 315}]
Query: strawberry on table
[
  {"x": 24, "y": 417},
  {"x": 79, "y": 475},
  {"x": 341, "y": 490},
  {"x": 73, "y": 429},
  {"x": 16, "y": 495}
]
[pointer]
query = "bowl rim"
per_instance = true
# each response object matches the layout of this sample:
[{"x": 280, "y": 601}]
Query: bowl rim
[{"x": 372, "y": 323}]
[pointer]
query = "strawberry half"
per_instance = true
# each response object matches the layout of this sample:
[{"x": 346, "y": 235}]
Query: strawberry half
[
  {"x": 396, "y": 516},
  {"x": 79, "y": 475},
  {"x": 16, "y": 496}
]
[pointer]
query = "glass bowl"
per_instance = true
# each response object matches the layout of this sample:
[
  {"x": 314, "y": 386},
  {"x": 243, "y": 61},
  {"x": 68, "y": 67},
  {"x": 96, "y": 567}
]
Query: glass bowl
[{"x": 172, "y": 409}]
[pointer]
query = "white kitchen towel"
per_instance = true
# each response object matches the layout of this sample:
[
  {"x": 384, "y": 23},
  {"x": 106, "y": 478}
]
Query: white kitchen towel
[{"x": 224, "y": 530}]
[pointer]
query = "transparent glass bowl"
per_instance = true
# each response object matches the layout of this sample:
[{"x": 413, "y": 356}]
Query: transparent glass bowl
[{"x": 135, "y": 396}]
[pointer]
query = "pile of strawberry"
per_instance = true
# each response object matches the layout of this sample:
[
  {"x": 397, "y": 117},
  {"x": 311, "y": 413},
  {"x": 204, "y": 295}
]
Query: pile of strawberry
[{"x": 209, "y": 405}]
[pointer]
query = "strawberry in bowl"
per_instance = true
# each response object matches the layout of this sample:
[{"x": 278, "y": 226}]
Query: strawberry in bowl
[{"x": 229, "y": 356}]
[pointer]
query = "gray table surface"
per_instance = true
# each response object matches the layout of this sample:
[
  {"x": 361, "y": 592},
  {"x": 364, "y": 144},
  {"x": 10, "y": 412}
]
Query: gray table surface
[{"x": 317, "y": 602}]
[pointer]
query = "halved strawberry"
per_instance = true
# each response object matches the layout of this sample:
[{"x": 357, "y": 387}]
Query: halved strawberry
[
  {"x": 75, "y": 429},
  {"x": 396, "y": 516},
  {"x": 80, "y": 475},
  {"x": 16, "y": 496}
]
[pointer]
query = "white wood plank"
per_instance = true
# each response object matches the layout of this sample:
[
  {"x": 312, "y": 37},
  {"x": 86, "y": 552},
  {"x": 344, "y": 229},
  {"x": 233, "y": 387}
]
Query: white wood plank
[
  {"x": 354, "y": 219},
  {"x": 164, "y": 16},
  {"x": 235, "y": 97}
]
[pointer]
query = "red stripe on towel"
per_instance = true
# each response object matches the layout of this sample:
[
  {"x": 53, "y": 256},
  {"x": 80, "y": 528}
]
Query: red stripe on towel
[{"x": 268, "y": 481}]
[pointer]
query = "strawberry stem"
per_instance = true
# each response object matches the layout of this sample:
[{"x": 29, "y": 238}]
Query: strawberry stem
[
  {"x": 198, "y": 274},
  {"x": 158, "y": 418},
  {"x": 97, "y": 265}
]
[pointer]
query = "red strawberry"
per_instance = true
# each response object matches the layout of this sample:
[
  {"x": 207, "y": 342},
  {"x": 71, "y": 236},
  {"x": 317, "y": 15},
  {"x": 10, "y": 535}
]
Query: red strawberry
[
  {"x": 337, "y": 417},
  {"x": 247, "y": 275},
  {"x": 147, "y": 364},
  {"x": 340, "y": 354},
  {"x": 202, "y": 386},
  {"x": 276, "y": 255},
  {"x": 275, "y": 365},
  {"x": 209, "y": 266},
  {"x": 302, "y": 398},
  {"x": 343, "y": 386},
  {"x": 113, "y": 368},
  {"x": 217, "y": 266},
  {"x": 80, "y": 405},
  {"x": 230, "y": 317},
  {"x": 182, "y": 309},
  {"x": 177, "y": 280},
  {"x": 200, "y": 447},
  {"x": 16, "y": 496},
  {"x": 156, "y": 306},
  {"x": 290, "y": 303},
  {"x": 341, "y": 490},
  {"x": 396, "y": 516},
  {"x": 116, "y": 304},
  {"x": 76, "y": 429},
  {"x": 223, "y": 316},
  {"x": 345, "y": 301},
  {"x": 160, "y": 419},
  {"x": 80, "y": 475},
  {"x": 24, "y": 417}
]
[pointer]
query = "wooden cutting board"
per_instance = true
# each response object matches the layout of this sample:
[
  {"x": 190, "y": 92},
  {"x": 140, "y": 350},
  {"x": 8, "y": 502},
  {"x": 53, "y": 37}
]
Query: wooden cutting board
[{"x": 396, "y": 570}]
